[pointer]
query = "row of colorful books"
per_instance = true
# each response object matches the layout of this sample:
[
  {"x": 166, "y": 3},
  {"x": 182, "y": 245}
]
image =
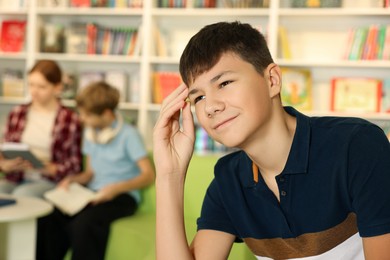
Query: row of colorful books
[
  {"x": 103, "y": 3},
  {"x": 214, "y": 3},
  {"x": 347, "y": 94},
  {"x": 368, "y": 43},
  {"x": 89, "y": 38},
  {"x": 13, "y": 84}
]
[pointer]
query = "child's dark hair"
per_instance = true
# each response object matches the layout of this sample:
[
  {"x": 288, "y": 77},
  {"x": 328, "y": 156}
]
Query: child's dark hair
[
  {"x": 49, "y": 69},
  {"x": 98, "y": 97},
  {"x": 205, "y": 48}
]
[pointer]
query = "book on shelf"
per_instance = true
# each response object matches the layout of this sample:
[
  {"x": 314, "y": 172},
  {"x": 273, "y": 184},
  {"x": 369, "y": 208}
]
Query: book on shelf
[
  {"x": 52, "y": 38},
  {"x": 386, "y": 45},
  {"x": 71, "y": 200},
  {"x": 243, "y": 4},
  {"x": 381, "y": 40},
  {"x": 163, "y": 84},
  {"x": 12, "y": 83},
  {"x": 315, "y": 3},
  {"x": 284, "y": 44},
  {"x": 370, "y": 45},
  {"x": 356, "y": 94},
  {"x": 99, "y": 3},
  {"x": 385, "y": 102},
  {"x": 161, "y": 43},
  {"x": 296, "y": 88},
  {"x": 11, "y": 150},
  {"x": 92, "y": 30},
  {"x": 12, "y": 35},
  {"x": 118, "y": 80},
  {"x": 171, "y": 4},
  {"x": 76, "y": 38},
  {"x": 80, "y": 3},
  {"x": 359, "y": 39}
]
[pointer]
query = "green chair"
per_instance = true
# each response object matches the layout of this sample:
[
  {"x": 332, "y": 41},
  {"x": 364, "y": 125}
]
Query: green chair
[{"x": 134, "y": 237}]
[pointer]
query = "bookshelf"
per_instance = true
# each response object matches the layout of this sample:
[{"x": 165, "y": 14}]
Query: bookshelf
[{"x": 316, "y": 36}]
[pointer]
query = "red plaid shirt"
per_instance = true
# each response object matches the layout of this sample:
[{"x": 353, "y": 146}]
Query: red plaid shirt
[{"x": 65, "y": 148}]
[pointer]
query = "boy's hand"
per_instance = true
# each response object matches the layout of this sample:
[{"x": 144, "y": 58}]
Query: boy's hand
[
  {"x": 105, "y": 194},
  {"x": 64, "y": 184},
  {"x": 17, "y": 164},
  {"x": 173, "y": 146}
]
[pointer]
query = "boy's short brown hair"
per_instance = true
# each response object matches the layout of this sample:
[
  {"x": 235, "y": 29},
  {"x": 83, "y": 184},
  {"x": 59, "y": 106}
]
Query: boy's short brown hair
[
  {"x": 206, "y": 47},
  {"x": 98, "y": 97}
]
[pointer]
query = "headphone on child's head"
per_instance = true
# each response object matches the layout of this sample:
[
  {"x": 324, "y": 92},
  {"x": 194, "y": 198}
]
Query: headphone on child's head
[{"x": 104, "y": 135}]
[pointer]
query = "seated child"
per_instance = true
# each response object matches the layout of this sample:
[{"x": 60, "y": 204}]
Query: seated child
[{"x": 117, "y": 166}]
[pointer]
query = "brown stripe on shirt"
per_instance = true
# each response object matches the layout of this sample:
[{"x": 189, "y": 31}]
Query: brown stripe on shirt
[{"x": 305, "y": 245}]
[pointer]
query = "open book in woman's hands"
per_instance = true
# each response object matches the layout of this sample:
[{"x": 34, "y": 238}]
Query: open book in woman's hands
[{"x": 71, "y": 200}]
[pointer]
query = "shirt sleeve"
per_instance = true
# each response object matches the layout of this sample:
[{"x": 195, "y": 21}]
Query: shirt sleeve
[
  {"x": 213, "y": 214},
  {"x": 369, "y": 180},
  {"x": 135, "y": 147}
]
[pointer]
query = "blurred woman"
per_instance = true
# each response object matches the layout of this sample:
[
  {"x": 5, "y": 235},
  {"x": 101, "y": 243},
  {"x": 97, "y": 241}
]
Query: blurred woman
[{"x": 52, "y": 132}]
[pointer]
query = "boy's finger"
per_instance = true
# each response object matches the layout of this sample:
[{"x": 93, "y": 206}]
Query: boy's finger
[{"x": 188, "y": 120}]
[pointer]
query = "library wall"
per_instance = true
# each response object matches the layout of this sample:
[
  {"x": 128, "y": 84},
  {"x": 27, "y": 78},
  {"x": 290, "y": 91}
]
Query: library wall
[{"x": 136, "y": 45}]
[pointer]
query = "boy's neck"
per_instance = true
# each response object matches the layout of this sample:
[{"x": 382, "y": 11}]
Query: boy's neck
[{"x": 270, "y": 151}]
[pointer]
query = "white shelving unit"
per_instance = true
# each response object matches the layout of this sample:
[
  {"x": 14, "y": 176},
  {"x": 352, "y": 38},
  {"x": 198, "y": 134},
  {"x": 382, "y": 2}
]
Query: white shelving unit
[{"x": 316, "y": 37}]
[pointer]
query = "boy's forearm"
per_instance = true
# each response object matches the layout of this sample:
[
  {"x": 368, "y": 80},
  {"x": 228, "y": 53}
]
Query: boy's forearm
[
  {"x": 82, "y": 177},
  {"x": 171, "y": 240},
  {"x": 139, "y": 182}
]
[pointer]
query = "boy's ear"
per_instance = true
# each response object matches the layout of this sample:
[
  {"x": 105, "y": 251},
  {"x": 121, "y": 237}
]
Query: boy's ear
[{"x": 274, "y": 78}]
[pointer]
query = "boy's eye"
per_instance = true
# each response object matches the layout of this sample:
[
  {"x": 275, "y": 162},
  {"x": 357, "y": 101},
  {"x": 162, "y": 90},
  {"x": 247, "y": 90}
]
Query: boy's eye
[
  {"x": 223, "y": 84},
  {"x": 198, "y": 99}
]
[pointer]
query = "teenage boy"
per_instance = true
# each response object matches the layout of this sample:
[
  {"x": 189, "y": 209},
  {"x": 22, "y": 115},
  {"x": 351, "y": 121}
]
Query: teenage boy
[
  {"x": 117, "y": 167},
  {"x": 299, "y": 188}
]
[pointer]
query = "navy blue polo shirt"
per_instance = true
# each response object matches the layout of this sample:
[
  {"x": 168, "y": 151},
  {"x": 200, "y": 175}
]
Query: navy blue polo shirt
[{"x": 335, "y": 186}]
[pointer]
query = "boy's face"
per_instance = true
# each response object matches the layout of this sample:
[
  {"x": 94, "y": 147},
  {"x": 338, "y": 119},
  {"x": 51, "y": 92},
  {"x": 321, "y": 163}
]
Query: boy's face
[
  {"x": 92, "y": 120},
  {"x": 41, "y": 90},
  {"x": 233, "y": 102}
]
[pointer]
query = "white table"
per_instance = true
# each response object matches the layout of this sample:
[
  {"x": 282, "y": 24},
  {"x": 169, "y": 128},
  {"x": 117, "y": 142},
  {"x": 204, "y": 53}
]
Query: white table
[{"x": 18, "y": 227}]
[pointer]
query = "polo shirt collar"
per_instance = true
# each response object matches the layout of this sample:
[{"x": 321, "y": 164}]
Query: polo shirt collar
[{"x": 297, "y": 161}]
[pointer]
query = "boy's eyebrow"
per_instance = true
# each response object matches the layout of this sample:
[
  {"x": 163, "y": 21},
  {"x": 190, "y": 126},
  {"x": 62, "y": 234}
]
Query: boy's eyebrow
[{"x": 193, "y": 91}]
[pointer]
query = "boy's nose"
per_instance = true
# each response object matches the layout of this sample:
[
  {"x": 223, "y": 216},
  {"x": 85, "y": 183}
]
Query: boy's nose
[{"x": 213, "y": 106}]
